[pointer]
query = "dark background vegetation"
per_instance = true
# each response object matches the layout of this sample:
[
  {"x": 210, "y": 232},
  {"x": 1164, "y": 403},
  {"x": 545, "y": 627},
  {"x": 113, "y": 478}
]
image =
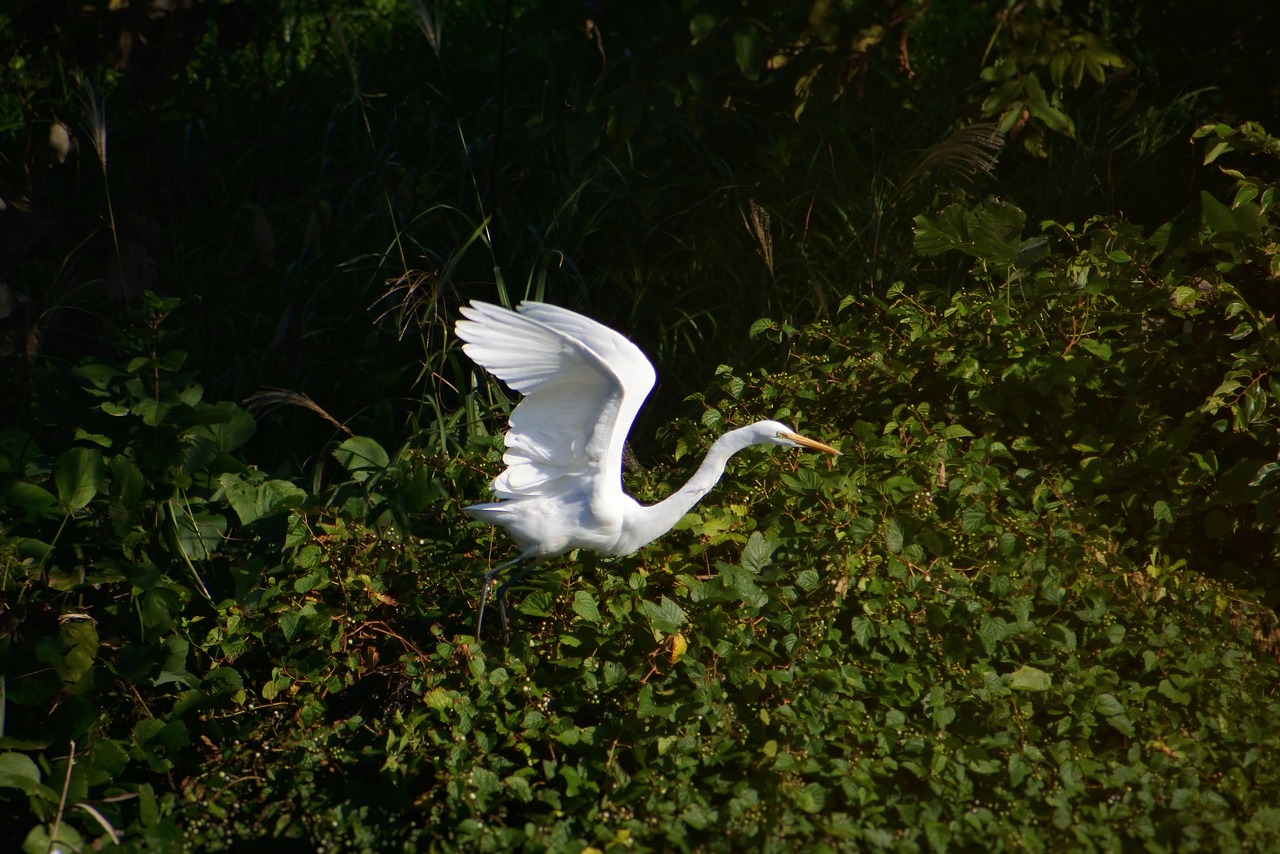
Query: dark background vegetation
[{"x": 1019, "y": 261}]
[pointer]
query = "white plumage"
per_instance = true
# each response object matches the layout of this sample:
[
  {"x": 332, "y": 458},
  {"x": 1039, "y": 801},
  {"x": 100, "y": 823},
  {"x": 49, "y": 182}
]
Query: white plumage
[{"x": 583, "y": 384}]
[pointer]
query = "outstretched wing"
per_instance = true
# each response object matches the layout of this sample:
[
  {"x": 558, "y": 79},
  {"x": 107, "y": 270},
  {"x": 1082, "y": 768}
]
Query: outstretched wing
[{"x": 582, "y": 383}]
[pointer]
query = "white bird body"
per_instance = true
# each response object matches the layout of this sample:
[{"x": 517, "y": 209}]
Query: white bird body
[{"x": 583, "y": 384}]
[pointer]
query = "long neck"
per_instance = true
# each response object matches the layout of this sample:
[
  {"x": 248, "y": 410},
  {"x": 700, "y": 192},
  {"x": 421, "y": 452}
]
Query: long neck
[{"x": 655, "y": 520}]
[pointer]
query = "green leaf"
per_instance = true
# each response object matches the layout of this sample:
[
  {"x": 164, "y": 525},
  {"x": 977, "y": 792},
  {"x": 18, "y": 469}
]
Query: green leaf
[
  {"x": 18, "y": 771},
  {"x": 665, "y": 617},
  {"x": 647, "y": 706},
  {"x": 1108, "y": 706},
  {"x": 196, "y": 535},
  {"x": 989, "y": 232},
  {"x": 894, "y": 536},
  {"x": 1028, "y": 678},
  {"x": 225, "y": 424},
  {"x": 254, "y": 501},
  {"x": 1216, "y": 216},
  {"x": 812, "y": 798},
  {"x": 1101, "y": 349},
  {"x": 66, "y": 838},
  {"x": 701, "y": 26},
  {"x": 77, "y": 475},
  {"x": 991, "y": 631},
  {"x": 126, "y": 480},
  {"x": 1168, "y": 690},
  {"x": 748, "y": 52},
  {"x": 584, "y": 605},
  {"x": 33, "y": 501},
  {"x": 757, "y": 553},
  {"x": 289, "y": 623},
  {"x": 362, "y": 457}
]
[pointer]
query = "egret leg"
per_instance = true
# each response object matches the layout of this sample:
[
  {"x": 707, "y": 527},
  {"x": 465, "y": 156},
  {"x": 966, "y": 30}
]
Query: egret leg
[
  {"x": 489, "y": 576},
  {"x": 501, "y": 594}
]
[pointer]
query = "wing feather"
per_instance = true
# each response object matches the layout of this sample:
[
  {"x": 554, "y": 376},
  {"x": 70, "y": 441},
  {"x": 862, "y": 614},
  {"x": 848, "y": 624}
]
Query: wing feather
[{"x": 582, "y": 383}]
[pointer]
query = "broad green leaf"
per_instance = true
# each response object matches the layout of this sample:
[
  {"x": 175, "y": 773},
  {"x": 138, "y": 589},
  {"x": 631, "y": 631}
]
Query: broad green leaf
[
  {"x": 289, "y": 622},
  {"x": 1107, "y": 705},
  {"x": 77, "y": 475},
  {"x": 1028, "y": 678},
  {"x": 80, "y": 638},
  {"x": 991, "y": 631},
  {"x": 1168, "y": 690},
  {"x": 18, "y": 771},
  {"x": 812, "y": 798},
  {"x": 894, "y": 535},
  {"x": 254, "y": 501},
  {"x": 127, "y": 482},
  {"x": 991, "y": 232},
  {"x": 701, "y": 26},
  {"x": 1216, "y": 216},
  {"x": 665, "y": 616},
  {"x": 196, "y": 535},
  {"x": 31, "y": 500},
  {"x": 648, "y": 707},
  {"x": 748, "y": 52},
  {"x": 362, "y": 457},
  {"x": 1101, "y": 349},
  {"x": 1019, "y": 768},
  {"x": 757, "y": 553},
  {"x": 584, "y": 605},
  {"x": 65, "y": 839}
]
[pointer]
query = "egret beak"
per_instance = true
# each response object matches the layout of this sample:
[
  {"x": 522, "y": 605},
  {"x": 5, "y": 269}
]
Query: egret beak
[{"x": 809, "y": 443}]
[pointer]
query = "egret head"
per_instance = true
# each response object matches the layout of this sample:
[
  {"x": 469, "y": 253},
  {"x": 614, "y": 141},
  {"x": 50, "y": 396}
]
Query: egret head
[{"x": 777, "y": 433}]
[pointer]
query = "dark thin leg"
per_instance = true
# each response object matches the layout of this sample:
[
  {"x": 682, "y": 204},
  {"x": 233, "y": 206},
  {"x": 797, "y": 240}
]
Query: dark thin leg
[
  {"x": 489, "y": 576},
  {"x": 501, "y": 595}
]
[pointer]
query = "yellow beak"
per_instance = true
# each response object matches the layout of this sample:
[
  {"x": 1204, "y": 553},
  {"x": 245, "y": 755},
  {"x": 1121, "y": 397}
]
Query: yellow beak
[{"x": 809, "y": 443}]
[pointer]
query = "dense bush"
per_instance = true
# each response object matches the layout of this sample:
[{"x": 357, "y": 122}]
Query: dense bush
[{"x": 1030, "y": 607}]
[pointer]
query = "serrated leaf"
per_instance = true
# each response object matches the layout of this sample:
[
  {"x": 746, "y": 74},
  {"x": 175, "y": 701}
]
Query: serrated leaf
[
  {"x": 757, "y": 553},
  {"x": 863, "y": 630},
  {"x": 665, "y": 616},
  {"x": 1019, "y": 769},
  {"x": 584, "y": 605},
  {"x": 894, "y": 535},
  {"x": 1184, "y": 296},
  {"x": 1028, "y": 678}
]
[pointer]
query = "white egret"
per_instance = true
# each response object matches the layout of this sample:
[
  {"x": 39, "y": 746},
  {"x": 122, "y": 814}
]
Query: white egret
[{"x": 583, "y": 384}]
